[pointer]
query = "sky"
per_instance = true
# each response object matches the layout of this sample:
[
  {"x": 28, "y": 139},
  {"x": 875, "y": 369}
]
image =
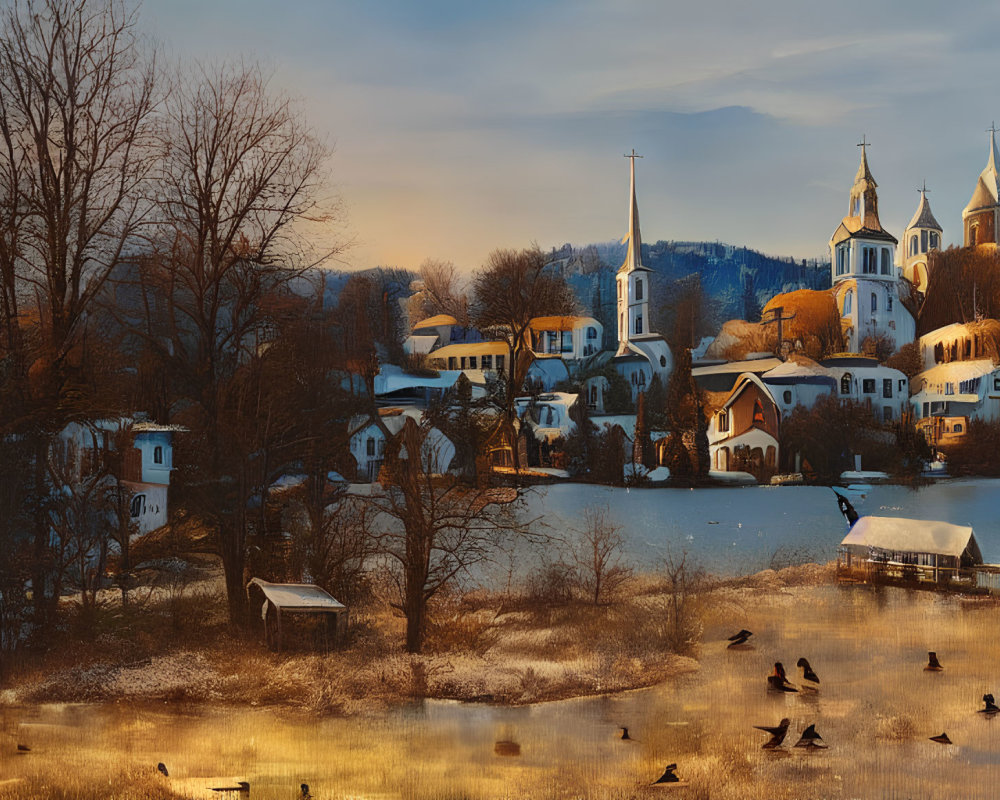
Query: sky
[{"x": 458, "y": 127}]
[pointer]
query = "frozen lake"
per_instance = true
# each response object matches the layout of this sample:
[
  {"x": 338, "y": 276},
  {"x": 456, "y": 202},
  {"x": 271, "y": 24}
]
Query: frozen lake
[{"x": 738, "y": 530}]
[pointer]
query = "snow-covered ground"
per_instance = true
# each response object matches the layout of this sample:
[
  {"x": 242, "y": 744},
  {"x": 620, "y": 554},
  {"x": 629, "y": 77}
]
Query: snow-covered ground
[{"x": 738, "y": 530}]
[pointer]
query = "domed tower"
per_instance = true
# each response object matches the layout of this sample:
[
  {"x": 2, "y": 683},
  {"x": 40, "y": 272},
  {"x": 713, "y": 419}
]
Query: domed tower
[
  {"x": 922, "y": 235},
  {"x": 980, "y": 217},
  {"x": 865, "y": 282}
]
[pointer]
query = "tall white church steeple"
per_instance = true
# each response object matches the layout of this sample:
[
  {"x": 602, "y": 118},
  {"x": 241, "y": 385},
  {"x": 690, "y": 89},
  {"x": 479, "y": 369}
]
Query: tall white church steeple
[{"x": 633, "y": 278}]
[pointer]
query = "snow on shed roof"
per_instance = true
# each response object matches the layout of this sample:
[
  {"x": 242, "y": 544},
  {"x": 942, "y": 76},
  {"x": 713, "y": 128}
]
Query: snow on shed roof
[
  {"x": 297, "y": 596},
  {"x": 957, "y": 371},
  {"x": 912, "y": 536}
]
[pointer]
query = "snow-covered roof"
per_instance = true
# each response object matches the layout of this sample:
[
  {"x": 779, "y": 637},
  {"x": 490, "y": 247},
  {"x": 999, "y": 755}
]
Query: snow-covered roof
[
  {"x": 419, "y": 344},
  {"x": 957, "y": 371},
  {"x": 435, "y": 321},
  {"x": 912, "y": 536},
  {"x": 297, "y": 596},
  {"x": 799, "y": 368},
  {"x": 566, "y": 323},
  {"x": 737, "y": 367},
  {"x": 625, "y": 421},
  {"x": 947, "y": 333},
  {"x": 155, "y": 427},
  {"x": 467, "y": 349},
  {"x": 392, "y": 379}
]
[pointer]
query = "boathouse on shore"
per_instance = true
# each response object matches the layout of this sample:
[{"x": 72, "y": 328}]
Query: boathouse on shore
[{"x": 281, "y": 599}]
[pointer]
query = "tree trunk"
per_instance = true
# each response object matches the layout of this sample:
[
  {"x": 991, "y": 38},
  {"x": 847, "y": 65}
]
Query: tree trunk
[{"x": 233, "y": 565}]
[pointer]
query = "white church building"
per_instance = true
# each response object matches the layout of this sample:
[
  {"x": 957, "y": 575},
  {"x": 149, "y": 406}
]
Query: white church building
[
  {"x": 865, "y": 279},
  {"x": 641, "y": 353}
]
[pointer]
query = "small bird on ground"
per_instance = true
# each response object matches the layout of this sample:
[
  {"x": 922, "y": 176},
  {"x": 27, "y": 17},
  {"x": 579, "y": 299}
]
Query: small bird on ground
[
  {"x": 811, "y": 678},
  {"x": 942, "y": 739},
  {"x": 777, "y": 681},
  {"x": 933, "y": 665},
  {"x": 23, "y": 748},
  {"x": 777, "y": 734},
  {"x": 739, "y": 639},
  {"x": 991, "y": 706},
  {"x": 625, "y": 736},
  {"x": 305, "y": 791},
  {"x": 668, "y": 775},
  {"x": 162, "y": 769},
  {"x": 810, "y": 738}
]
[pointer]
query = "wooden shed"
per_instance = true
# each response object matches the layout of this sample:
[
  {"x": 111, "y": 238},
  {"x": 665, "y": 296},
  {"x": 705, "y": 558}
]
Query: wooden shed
[
  {"x": 895, "y": 548},
  {"x": 281, "y": 599}
]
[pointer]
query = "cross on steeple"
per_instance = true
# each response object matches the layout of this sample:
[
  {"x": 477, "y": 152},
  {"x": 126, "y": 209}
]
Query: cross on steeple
[
  {"x": 633, "y": 155},
  {"x": 991, "y": 129},
  {"x": 923, "y": 189},
  {"x": 863, "y": 143}
]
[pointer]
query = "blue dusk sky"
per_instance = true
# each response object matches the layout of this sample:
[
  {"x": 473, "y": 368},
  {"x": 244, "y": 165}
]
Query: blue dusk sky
[{"x": 459, "y": 127}]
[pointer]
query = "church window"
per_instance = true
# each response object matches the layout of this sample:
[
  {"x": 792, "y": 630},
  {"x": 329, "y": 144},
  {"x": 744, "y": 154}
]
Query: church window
[
  {"x": 973, "y": 233},
  {"x": 874, "y": 302},
  {"x": 842, "y": 259},
  {"x": 913, "y": 245},
  {"x": 591, "y": 333},
  {"x": 886, "y": 262},
  {"x": 848, "y": 302},
  {"x": 845, "y": 383},
  {"x": 855, "y": 206},
  {"x": 638, "y": 288},
  {"x": 758, "y": 413},
  {"x": 923, "y": 241},
  {"x": 868, "y": 256},
  {"x": 934, "y": 243},
  {"x": 888, "y": 302},
  {"x": 638, "y": 324},
  {"x": 868, "y": 386},
  {"x": 723, "y": 421},
  {"x": 887, "y": 387},
  {"x": 787, "y": 397}
]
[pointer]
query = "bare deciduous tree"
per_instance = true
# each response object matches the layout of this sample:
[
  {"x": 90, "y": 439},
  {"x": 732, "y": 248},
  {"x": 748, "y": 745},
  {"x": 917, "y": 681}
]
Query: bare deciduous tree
[
  {"x": 598, "y": 555},
  {"x": 441, "y": 293}
]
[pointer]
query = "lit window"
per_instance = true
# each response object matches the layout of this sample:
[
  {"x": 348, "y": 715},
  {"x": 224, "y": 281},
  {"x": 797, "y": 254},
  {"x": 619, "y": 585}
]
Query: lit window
[
  {"x": 957, "y": 428},
  {"x": 723, "y": 421},
  {"x": 913, "y": 245},
  {"x": 758, "y": 413}
]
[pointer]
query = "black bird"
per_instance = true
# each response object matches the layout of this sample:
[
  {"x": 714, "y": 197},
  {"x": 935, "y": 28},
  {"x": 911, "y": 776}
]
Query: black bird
[
  {"x": 740, "y": 638},
  {"x": 846, "y": 509},
  {"x": 810, "y": 738},
  {"x": 305, "y": 791},
  {"x": 991, "y": 706},
  {"x": 777, "y": 734},
  {"x": 933, "y": 665},
  {"x": 625, "y": 735},
  {"x": 241, "y": 787},
  {"x": 811, "y": 678},
  {"x": 23, "y": 748},
  {"x": 777, "y": 681},
  {"x": 942, "y": 739},
  {"x": 163, "y": 769},
  {"x": 668, "y": 775}
]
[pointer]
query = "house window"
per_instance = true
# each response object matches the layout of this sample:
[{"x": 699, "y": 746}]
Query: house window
[
  {"x": 472, "y": 362},
  {"x": 957, "y": 428},
  {"x": 787, "y": 396},
  {"x": 463, "y": 362},
  {"x": 848, "y": 302},
  {"x": 927, "y": 409},
  {"x": 869, "y": 256},
  {"x": 723, "y": 421},
  {"x": 886, "y": 264},
  {"x": 887, "y": 387},
  {"x": 567, "y": 341},
  {"x": 902, "y": 385},
  {"x": 158, "y": 455},
  {"x": 638, "y": 324},
  {"x": 874, "y": 302},
  {"x": 638, "y": 288},
  {"x": 758, "y": 413},
  {"x": 845, "y": 383},
  {"x": 949, "y": 388},
  {"x": 137, "y": 506},
  {"x": 370, "y": 446},
  {"x": 868, "y": 386},
  {"x": 642, "y": 379},
  {"x": 888, "y": 302},
  {"x": 452, "y": 362},
  {"x": 487, "y": 362},
  {"x": 591, "y": 333},
  {"x": 500, "y": 362},
  {"x": 996, "y": 383}
]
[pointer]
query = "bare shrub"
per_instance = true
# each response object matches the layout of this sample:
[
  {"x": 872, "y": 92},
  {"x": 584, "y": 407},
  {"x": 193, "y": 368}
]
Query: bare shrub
[
  {"x": 598, "y": 556},
  {"x": 685, "y": 586}
]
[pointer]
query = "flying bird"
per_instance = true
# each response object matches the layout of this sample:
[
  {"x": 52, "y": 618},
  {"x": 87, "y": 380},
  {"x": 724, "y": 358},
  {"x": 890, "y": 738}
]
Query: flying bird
[
  {"x": 942, "y": 739},
  {"x": 810, "y": 738},
  {"x": 991, "y": 706},
  {"x": 777, "y": 734},
  {"x": 933, "y": 665},
  {"x": 811, "y": 678},
  {"x": 668, "y": 775},
  {"x": 162, "y": 769},
  {"x": 777, "y": 681},
  {"x": 738, "y": 639}
]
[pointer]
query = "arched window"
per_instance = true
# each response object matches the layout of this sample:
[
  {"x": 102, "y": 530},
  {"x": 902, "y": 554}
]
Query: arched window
[
  {"x": 886, "y": 263},
  {"x": 787, "y": 397},
  {"x": 591, "y": 333},
  {"x": 923, "y": 241},
  {"x": 848, "y": 302},
  {"x": 845, "y": 383},
  {"x": 158, "y": 455},
  {"x": 888, "y": 302},
  {"x": 137, "y": 506},
  {"x": 934, "y": 243},
  {"x": 913, "y": 245},
  {"x": 874, "y": 302},
  {"x": 973, "y": 233}
]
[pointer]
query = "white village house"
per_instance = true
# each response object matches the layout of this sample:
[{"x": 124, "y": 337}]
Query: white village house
[{"x": 368, "y": 442}]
